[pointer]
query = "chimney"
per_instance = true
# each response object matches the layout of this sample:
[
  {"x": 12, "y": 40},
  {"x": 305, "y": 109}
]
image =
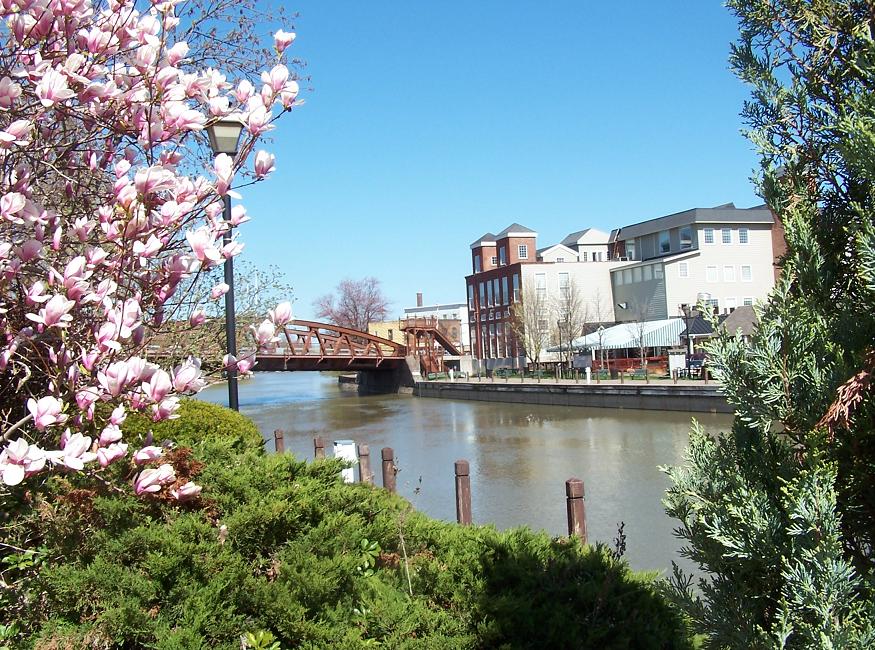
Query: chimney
[{"x": 419, "y": 299}]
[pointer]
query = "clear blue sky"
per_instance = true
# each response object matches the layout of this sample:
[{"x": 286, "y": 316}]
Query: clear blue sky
[{"x": 428, "y": 124}]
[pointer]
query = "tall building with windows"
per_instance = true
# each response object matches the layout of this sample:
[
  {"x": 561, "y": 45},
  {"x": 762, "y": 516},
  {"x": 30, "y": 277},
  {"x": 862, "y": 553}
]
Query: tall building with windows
[
  {"x": 507, "y": 265},
  {"x": 725, "y": 255},
  {"x": 645, "y": 271}
]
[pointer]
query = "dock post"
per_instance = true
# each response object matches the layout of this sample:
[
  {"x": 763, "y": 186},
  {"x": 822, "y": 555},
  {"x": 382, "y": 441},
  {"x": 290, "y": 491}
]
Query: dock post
[
  {"x": 463, "y": 492},
  {"x": 674, "y": 375},
  {"x": 388, "y": 456},
  {"x": 365, "y": 475},
  {"x": 574, "y": 497},
  {"x": 318, "y": 447},
  {"x": 279, "y": 442}
]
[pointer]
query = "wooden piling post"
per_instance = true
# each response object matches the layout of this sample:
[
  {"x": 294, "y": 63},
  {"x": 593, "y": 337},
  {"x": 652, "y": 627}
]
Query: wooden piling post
[
  {"x": 574, "y": 498},
  {"x": 279, "y": 442},
  {"x": 388, "y": 456},
  {"x": 463, "y": 492},
  {"x": 365, "y": 475},
  {"x": 674, "y": 375},
  {"x": 318, "y": 447}
]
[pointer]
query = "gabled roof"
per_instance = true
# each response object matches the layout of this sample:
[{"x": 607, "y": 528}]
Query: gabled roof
[
  {"x": 488, "y": 238},
  {"x": 517, "y": 230},
  {"x": 742, "y": 318},
  {"x": 573, "y": 237},
  {"x": 563, "y": 246}
]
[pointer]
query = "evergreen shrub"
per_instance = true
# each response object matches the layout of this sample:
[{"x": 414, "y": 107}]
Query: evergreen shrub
[{"x": 281, "y": 546}]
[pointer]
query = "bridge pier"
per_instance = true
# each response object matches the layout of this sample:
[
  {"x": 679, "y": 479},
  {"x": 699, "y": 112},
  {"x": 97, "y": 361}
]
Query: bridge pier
[{"x": 400, "y": 379}]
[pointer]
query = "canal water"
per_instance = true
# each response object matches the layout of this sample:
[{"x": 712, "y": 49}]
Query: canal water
[{"x": 520, "y": 454}]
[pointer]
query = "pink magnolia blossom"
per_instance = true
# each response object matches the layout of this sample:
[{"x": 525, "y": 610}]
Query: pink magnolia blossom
[
  {"x": 198, "y": 317},
  {"x": 46, "y": 411},
  {"x": 202, "y": 244},
  {"x": 146, "y": 454},
  {"x": 112, "y": 453},
  {"x": 224, "y": 168},
  {"x": 264, "y": 164},
  {"x": 219, "y": 290},
  {"x": 188, "y": 377},
  {"x": 281, "y": 314},
  {"x": 151, "y": 480},
  {"x": 75, "y": 453},
  {"x": 110, "y": 434},
  {"x": 158, "y": 386},
  {"x": 166, "y": 409},
  {"x": 52, "y": 88},
  {"x": 186, "y": 491},
  {"x": 264, "y": 334},
  {"x": 55, "y": 313},
  {"x": 19, "y": 460},
  {"x": 9, "y": 92},
  {"x": 281, "y": 40}
]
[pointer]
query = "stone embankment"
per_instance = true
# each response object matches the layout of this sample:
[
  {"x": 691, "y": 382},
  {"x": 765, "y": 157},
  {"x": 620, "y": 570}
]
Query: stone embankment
[{"x": 693, "y": 396}]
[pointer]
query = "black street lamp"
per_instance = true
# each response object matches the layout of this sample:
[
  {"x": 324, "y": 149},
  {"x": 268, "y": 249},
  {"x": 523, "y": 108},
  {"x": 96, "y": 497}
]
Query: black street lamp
[
  {"x": 224, "y": 136},
  {"x": 688, "y": 315}
]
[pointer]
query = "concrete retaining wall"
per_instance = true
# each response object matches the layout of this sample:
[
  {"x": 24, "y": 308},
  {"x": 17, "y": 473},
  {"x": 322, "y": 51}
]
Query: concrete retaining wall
[{"x": 699, "y": 399}]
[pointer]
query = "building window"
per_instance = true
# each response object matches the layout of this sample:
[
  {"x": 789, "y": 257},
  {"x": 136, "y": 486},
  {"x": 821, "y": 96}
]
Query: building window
[
  {"x": 714, "y": 304},
  {"x": 516, "y": 287},
  {"x": 502, "y": 256},
  {"x": 743, "y": 235},
  {"x": 746, "y": 274},
  {"x": 584, "y": 256},
  {"x": 489, "y": 293},
  {"x": 542, "y": 325},
  {"x": 504, "y": 294},
  {"x": 563, "y": 285},
  {"x": 630, "y": 249},
  {"x": 709, "y": 235},
  {"x": 493, "y": 260},
  {"x": 683, "y": 270},
  {"x": 495, "y": 291},
  {"x": 482, "y": 295},
  {"x": 600, "y": 255},
  {"x": 476, "y": 264},
  {"x": 560, "y": 259},
  {"x": 711, "y": 274},
  {"x": 686, "y": 237},
  {"x": 664, "y": 241},
  {"x": 729, "y": 274},
  {"x": 523, "y": 251},
  {"x": 726, "y": 235},
  {"x": 498, "y": 329},
  {"x": 747, "y": 302},
  {"x": 390, "y": 337},
  {"x": 730, "y": 304},
  {"x": 541, "y": 284},
  {"x": 482, "y": 315},
  {"x": 470, "y": 296}
]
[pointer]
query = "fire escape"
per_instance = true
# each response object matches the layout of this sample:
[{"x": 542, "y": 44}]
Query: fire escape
[{"x": 428, "y": 341}]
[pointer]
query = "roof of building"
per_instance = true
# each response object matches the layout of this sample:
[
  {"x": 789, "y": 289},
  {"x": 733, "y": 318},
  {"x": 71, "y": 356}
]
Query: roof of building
[
  {"x": 573, "y": 237},
  {"x": 726, "y": 213},
  {"x": 742, "y": 318},
  {"x": 487, "y": 238},
  {"x": 700, "y": 327},
  {"x": 517, "y": 229},
  {"x": 657, "y": 333},
  {"x": 547, "y": 248}
]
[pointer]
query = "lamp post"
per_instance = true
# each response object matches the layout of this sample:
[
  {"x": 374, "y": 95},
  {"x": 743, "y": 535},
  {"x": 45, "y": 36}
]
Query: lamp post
[
  {"x": 224, "y": 136},
  {"x": 688, "y": 314},
  {"x": 559, "y": 365}
]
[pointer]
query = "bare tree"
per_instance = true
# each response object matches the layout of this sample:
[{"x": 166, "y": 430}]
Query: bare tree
[
  {"x": 354, "y": 304},
  {"x": 599, "y": 314},
  {"x": 572, "y": 314},
  {"x": 637, "y": 329},
  {"x": 529, "y": 321}
]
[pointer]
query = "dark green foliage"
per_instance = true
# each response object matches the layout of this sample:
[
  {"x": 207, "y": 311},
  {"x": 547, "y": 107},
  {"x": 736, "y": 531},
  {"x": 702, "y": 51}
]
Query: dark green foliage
[
  {"x": 199, "y": 423},
  {"x": 780, "y": 513},
  {"x": 317, "y": 564}
]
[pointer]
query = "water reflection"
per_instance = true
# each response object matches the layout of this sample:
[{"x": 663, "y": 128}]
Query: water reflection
[{"x": 520, "y": 454}]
